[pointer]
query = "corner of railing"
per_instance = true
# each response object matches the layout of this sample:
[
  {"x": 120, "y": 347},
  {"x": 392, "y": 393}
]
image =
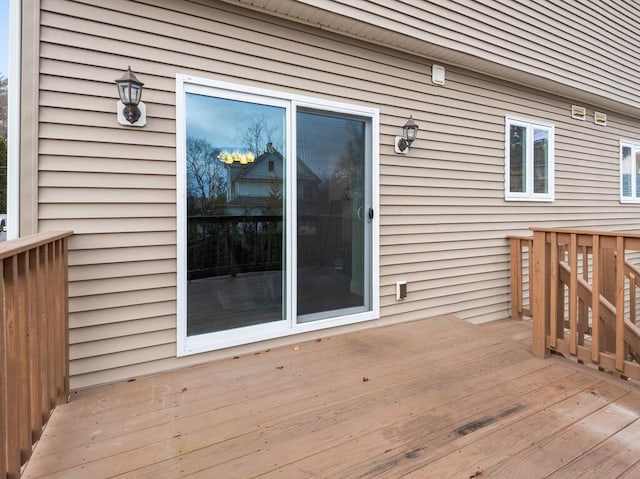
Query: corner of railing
[
  {"x": 539, "y": 279},
  {"x": 517, "y": 244},
  {"x": 34, "y": 341}
]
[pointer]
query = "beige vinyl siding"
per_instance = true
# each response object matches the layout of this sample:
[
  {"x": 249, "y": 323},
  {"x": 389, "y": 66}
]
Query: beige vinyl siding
[
  {"x": 585, "y": 49},
  {"x": 443, "y": 216}
]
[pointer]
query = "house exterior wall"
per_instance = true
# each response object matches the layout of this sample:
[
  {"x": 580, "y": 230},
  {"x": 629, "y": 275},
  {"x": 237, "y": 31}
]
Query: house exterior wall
[
  {"x": 574, "y": 48},
  {"x": 443, "y": 215}
]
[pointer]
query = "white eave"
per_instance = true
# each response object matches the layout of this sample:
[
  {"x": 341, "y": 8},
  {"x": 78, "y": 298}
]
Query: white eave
[{"x": 398, "y": 30}]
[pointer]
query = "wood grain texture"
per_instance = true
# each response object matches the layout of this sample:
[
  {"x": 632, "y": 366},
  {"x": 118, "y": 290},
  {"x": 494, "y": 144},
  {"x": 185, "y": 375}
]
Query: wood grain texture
[{"x": 433, "y": 398}]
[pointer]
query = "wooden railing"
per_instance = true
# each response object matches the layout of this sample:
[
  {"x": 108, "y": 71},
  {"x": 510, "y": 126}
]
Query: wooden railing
[
  {"x": 583, "y": 295},
  {"x": 34, "y": 351},
  {"x": 521, "y": 247},
  {"x": 227, "y": 245}
]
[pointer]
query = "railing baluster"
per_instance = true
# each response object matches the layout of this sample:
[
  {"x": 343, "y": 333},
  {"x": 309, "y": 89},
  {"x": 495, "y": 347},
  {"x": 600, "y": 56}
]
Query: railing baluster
[
  {"x": 516, "y": 279},
  {"x": 573, "y": 294},
  {"x": 595, "y": 300},
  {"x": 23, "y": 355},
  {"x": 34, "y": 344},
  {"x": 583, "y": 309},
  {"x": 553, "y": 292},
  {"x": 620, "y": 350},
  {"x": 632, "y": 297}
]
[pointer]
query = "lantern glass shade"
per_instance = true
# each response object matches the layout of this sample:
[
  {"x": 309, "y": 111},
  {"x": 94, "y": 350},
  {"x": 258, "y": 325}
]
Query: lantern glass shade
[
  {"x": 129, "y": 88},
  {"x": 410, "y": 130},
  {"x": 129, "y": 93}
]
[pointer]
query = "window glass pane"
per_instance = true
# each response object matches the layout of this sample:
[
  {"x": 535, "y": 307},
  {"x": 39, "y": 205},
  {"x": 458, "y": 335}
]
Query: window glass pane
[
  {"x": 517, "y": 159},
  {"x": 540, "y": 161},
  {"x": 332, "y": 217},
  {"x": 235, "y": 181},
  {"x": 626, "y": 171}
]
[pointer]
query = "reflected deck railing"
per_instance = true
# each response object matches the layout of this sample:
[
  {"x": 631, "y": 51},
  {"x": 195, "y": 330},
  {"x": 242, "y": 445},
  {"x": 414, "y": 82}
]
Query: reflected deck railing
[
  {"x": 228, "y": 245},
  {"x": 34, "y": 344},
  {"x": 582, "y": 290}
]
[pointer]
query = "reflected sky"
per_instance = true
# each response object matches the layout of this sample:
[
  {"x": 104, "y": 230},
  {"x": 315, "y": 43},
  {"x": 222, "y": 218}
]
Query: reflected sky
[{"x": 221, "y": 122}]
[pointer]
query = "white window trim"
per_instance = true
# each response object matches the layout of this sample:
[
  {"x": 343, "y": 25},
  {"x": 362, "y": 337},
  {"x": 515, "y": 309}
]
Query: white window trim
[
  {"x": 223, "y": 339},
  {"x": 635, "y": 146},
  {"x": 529, "y": 195}
]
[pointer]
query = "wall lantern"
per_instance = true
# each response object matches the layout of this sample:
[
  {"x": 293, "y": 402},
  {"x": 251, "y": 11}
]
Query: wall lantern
[
  {"x": 409, "y": 133},
  {"x": 131, "y": 111}
]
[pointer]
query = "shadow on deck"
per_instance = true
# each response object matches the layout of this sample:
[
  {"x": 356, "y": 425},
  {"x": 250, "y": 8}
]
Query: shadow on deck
[{"x": 428, "y": 399}]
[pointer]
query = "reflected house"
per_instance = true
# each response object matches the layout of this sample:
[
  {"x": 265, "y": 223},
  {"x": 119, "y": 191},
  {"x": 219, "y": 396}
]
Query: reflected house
[
  {"x": 256, "y": 188},
  {"x": 324, "y": 229}
]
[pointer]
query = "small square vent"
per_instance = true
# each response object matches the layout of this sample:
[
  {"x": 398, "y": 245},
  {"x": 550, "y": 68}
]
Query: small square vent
[
  {"x": 600, "y": 118},
  {"x": 578, "y": 112},
  {"x": 438, "y": 74}
]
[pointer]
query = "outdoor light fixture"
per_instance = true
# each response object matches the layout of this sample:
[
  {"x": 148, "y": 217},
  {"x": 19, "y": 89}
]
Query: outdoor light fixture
[
  {"x": 409, "y": 132},
  {"x": 236, "y": 157},
  {"x": 130, "y": 109}
]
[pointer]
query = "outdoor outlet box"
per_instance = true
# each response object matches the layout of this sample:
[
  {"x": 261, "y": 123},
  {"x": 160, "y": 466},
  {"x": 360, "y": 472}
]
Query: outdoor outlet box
[{"x": 401, "y": 290}]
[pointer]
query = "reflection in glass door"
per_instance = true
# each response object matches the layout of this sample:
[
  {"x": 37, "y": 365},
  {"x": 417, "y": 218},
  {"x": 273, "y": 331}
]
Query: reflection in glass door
[
  {"x": 333, "y": 224},
  {"x": 235, "y": 152}
]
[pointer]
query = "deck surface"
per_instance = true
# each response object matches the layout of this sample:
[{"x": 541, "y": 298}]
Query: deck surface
[{"x": 437, "y": 398}]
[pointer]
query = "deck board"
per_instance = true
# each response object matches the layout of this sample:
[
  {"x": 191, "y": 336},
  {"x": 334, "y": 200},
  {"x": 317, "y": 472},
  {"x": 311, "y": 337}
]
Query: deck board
[{"x": 433, "y": 398}]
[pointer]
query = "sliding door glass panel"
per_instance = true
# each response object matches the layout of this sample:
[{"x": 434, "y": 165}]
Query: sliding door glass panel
[
  {"x": 235, "y": 235},
  {"x": 333, "y": 226}
]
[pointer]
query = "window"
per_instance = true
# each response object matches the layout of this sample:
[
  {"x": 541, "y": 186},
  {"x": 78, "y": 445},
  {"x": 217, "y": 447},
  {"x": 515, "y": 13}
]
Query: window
[
  {"x": 276, "y": 231},
  {"x": 629, "y": 173},
  {"x": 529, "y": 147}
]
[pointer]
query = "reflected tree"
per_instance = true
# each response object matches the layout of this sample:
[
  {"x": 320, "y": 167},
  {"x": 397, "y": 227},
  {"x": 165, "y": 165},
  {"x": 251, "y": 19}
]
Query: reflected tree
[
  {"x": 348, "y": 171},
  {"x": 206, "y": 179},
  {"x": 4, "y": 84},
  {"x": 257, "y": 134}
]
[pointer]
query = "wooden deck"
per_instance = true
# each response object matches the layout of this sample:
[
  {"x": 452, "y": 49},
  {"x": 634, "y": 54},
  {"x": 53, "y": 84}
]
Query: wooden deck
[{"x": 438, "y": 398}]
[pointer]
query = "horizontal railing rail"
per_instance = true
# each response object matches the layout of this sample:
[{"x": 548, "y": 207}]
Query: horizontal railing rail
[
  {"x": 34, "y": 344},
  {"x": 583, "y": 295}
]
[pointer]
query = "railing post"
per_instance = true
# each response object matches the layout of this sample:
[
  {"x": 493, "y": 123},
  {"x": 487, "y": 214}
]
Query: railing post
[{"x": 540, "y": 268}]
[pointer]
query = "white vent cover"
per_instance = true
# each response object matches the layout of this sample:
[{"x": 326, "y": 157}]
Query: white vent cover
[
  {"x": 578, "y": 112},
  {"x": 600, "y": 118},
  {"x": 437, "y": 74}
]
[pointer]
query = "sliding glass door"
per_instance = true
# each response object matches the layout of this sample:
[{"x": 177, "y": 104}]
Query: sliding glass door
[
  {"x": 333, "y": 233},
  {"x": 235, "y": 238},
  {"x": 277, "y": 200}
]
